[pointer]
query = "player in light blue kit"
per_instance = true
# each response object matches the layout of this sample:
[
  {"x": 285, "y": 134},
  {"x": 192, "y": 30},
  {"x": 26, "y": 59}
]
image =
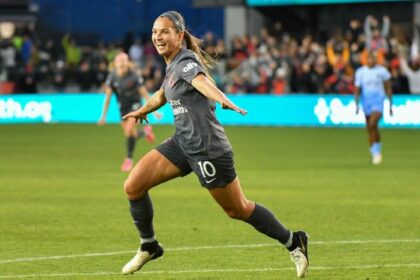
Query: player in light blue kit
[{"x": 373, "y": 84}]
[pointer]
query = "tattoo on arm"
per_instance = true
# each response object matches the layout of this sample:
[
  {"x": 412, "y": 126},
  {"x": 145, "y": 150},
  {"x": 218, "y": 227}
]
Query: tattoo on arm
[{"x": 156, "y": 101}]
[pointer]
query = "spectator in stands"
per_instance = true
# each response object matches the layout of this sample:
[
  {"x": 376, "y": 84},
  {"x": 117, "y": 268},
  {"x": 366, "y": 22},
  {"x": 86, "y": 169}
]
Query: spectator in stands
[
  {"x": 8, "y": 57},
  {"x": 375, "y": 39},
  {"x": 136, "y": 53},
  {"x": 27, "y": 82},
  {"x": 59, "y": 76},
  {"x": 412, "y": 73},
  {"x": 238, "y": 52},
  {"x": 354, "y": 31},
  {"x": 237, "y": 84},
  {"x": 415, "y": 45},
  {"x": 279, "y": 84},
  {"x": 399, "y": 81},
  {"x": 26, "y": 49},
  {"x": 101, "y": 74},
  {"x": 72, "y": 51},
  {"x": 85, "y": 78}
]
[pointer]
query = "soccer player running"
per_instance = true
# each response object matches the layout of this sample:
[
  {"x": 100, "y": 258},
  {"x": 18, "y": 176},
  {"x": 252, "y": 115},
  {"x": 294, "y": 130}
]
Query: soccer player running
[
  {"x": 129, "y": 89},
  {"x": 199, "y": 145},
  {"x": 373, "y": 84}
]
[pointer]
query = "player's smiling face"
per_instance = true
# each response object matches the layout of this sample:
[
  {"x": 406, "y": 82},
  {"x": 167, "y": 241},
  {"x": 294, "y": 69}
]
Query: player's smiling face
[{"x": 165, "y": 37}]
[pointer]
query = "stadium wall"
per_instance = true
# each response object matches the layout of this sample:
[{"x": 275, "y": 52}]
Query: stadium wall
[{"x": 263, "y": 110}]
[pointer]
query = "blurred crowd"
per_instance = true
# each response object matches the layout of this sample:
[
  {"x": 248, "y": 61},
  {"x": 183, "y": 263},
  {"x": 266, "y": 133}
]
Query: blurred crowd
[
  {"x": 272, "y": 62},
  {"x": 277, "y": 63}
]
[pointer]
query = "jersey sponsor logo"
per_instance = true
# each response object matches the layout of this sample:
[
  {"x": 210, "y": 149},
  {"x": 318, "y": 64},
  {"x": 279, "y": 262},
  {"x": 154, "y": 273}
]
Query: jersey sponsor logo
[
  {"x": 177, "y": 107},
  {"x": 189, "y": 66}
]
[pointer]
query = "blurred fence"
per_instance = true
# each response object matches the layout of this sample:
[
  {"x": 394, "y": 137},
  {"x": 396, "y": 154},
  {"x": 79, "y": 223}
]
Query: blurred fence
[{"x": 270, "y": 110}]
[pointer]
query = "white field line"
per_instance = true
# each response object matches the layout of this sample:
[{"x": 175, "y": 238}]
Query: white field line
[
  {"x": 233, "y": 270},
  {"x": 209, "y": 247}
]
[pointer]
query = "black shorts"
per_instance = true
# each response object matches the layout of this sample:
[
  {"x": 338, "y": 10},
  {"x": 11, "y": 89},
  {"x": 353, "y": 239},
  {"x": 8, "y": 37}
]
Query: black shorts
[
  {"x": 212, "y": 173},
  {"x": 128, "y": 107}
]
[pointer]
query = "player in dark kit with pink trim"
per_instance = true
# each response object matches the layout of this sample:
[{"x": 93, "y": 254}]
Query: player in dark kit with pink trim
[{"x": 199, "y": 145}]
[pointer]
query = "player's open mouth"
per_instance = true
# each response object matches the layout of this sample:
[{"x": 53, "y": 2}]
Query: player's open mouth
[{"x": 161, "y": 45}]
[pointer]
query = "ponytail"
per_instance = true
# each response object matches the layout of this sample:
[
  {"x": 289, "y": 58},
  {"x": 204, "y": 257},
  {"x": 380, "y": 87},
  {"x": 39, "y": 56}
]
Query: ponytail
[{"x": 193, "y": 43}]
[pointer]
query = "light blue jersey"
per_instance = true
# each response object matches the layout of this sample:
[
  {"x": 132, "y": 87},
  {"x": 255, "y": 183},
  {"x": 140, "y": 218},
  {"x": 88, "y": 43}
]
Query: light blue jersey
[{"x": 371, "y": 81}]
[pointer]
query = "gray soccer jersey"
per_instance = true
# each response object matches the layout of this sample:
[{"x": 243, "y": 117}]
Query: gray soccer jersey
[
  {"x": 126, "y": 87},
  {"x": 197, "y": 129}
]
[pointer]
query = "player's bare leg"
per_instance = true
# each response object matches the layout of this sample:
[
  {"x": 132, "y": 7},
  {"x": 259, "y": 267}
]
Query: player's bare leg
[{"x": 372, "y": 126}]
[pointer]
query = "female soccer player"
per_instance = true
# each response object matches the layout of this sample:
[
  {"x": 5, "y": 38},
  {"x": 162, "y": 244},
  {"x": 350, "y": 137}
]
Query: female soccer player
[
  {"x": 129, "y": 89},
  {"x": 373, "y": 84},
  {"x": 199, "y": 145}
]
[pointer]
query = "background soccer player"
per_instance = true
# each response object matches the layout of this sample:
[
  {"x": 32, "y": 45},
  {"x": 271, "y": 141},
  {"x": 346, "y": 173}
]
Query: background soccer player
[
  {"x": 373, "y": 85},
  {"x": 129, "y": 89},
  {"x": 199, "y": 145}
]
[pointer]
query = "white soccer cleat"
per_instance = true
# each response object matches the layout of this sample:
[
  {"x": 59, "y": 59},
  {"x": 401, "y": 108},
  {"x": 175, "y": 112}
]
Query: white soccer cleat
[
  {"x": 140, "y": 259},
  {"x": 300, "y": 255},
  {"x": 376, "y": 159}
]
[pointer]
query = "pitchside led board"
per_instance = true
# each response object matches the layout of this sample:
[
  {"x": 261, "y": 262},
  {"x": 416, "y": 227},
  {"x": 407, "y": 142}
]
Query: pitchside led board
[
  {"x": 312, "y": 2},
  {"x": 263, "y": 110}
]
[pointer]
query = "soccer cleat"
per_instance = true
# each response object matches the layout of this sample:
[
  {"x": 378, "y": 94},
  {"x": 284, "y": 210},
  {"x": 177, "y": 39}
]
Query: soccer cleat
[
  {"x": 300, "y": 255},
  {"x": 150, "y": 137},
  {"x": 376, "y": 159},
  {"x": 127, "y": 165},
  {"x": 141, "y": 258}
]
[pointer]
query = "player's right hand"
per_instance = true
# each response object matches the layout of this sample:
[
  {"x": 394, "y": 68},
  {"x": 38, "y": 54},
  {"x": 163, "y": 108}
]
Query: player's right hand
[{"x": 139, "y": 116}]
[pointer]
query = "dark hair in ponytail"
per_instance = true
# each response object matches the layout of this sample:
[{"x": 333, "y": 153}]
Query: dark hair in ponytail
[{"x": 191, "y": 42}]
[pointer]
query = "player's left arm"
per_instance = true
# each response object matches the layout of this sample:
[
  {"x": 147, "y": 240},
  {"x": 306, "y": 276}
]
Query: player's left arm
[{"x": 208, "y": 89}]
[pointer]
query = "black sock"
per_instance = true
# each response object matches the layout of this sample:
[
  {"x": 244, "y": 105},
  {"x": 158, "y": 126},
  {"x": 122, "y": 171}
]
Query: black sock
[
  {"x": 131, "y": 143},
  {"x": 142, "y": 212},
  {"x": 265, "y": 222},
  {"x": 295, "y": 242}
]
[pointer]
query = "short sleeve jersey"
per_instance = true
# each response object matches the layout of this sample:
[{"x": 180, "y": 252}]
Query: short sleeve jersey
[
  {"x": 125, "y": 87},
  {"x": 371, "y": 81},
  {"x": 197, "y": 129}
]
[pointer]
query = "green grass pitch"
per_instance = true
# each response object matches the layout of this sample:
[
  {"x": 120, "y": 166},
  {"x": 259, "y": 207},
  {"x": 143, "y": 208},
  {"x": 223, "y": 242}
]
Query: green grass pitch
[{"x": 64, "y": 215}]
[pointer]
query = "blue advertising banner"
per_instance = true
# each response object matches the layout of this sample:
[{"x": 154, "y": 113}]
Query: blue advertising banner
[{"x": 267, "y": 110}]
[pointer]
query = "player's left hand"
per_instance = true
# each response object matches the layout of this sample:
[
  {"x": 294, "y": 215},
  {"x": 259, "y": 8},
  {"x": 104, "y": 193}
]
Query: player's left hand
[
  {"x": 391, "y": 112},
  {"x": 139, "y": 116}
]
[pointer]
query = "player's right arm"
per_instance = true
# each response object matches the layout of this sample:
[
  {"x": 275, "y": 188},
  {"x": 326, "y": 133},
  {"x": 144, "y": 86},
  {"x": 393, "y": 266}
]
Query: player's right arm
[
  {"x": 156, "y": 101},
  {"x": 108, "y": 93}
]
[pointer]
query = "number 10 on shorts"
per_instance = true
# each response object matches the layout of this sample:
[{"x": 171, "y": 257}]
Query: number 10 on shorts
[{"x": 207, "y": 169}]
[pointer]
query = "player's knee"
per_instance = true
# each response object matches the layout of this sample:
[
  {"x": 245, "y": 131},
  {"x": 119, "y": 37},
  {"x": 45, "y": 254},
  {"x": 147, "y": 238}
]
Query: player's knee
[
  {"x": 241, "y": 212},
  {"x": 234, "y": 214},
  {"x": 133, "y": 189}
]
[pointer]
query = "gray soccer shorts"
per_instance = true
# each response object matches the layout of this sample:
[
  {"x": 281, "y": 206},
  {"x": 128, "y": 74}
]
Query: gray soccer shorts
[{"x": 212, "y": 173}]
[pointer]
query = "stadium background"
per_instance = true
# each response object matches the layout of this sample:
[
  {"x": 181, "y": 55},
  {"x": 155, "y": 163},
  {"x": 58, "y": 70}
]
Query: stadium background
[{"x": 62, "y": 210}]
